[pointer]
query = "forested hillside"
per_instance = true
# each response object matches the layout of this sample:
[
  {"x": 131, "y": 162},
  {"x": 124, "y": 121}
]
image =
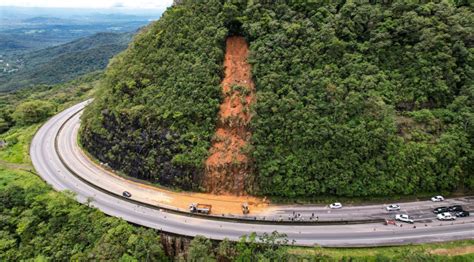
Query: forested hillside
[
  {"x": 65, "y": 62},
  {"x": 352, "y": 98},
  {"x": 155, "y": 114},
  {"x": 39, "y": 224}
]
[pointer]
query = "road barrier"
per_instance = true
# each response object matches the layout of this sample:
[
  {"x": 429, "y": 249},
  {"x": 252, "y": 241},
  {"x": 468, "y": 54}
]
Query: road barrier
[{"x": 222, "y": 217}]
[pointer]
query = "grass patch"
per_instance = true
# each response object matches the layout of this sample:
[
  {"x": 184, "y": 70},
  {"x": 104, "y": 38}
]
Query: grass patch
[
  {"x": 18, "y": 139},
  {"x": 445, "y": 251},
  {"x": 18, "y": 177}
]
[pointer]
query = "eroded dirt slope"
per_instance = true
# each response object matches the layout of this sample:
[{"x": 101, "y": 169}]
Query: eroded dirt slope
[{"x": 228, "y": 167}]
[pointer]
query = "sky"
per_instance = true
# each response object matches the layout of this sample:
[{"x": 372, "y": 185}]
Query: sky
[{"x": 90, "y": 4}]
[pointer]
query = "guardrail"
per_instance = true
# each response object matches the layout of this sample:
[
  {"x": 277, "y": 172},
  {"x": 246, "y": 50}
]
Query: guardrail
[{"x": 241, "y": 219}]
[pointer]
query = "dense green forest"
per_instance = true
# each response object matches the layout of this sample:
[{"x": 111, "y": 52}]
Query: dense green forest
[
  {"x": 65, "y": 62},
  {"x": 354, "y": 98},
  {"x": 29, "y": 106},
  {"x": 39, "y": 224},
  {"x": 155, "y": 115}
]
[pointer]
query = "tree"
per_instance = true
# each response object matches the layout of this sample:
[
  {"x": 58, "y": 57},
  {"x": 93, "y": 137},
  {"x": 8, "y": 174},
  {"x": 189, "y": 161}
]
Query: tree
[
  {"x": 4, "y": 125},
  {"x": 226, "y": 250},
  {"x": 32, "y": 112},
  {"x": 353, "y": 97},
  {"x": 36, "y": 221},
  {"x": 200, "y": 250}
]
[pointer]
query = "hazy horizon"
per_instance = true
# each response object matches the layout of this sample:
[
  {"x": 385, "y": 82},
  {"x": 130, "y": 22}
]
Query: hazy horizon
[
  {"x": 7, "y": 12},
  {"x": 89, "y": 4}
]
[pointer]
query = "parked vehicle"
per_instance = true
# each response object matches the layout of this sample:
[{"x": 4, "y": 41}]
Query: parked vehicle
[
  {"x": 455, "y": 208},
  {"x": 126, "y": 194},
  {"x": 462, "y": 214},
  {"x": 336, "y": 205},
  {"x": 437, "y": 198},
  {"x": 245, "y": 208},
  {"x": 404, "y": 218},
  {"x": 393, "y": 207},
  {"x": 439, "y": 210},
  {"x": 200, "y": 208},
  {"x": 390, "y": 222},
  {"x": 445, "y": 216}
]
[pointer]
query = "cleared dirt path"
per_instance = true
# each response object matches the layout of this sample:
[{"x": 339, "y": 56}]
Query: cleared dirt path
[
  {"x": 10, "y": 165},
  {"x": 228, "y": 168}
]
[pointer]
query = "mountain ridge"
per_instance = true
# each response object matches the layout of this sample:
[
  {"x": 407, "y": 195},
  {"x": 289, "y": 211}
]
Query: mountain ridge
[{"x": 65, "y": 62}]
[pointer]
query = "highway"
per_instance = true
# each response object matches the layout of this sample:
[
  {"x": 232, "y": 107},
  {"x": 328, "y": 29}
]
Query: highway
[{"x": 59, "y": 161}]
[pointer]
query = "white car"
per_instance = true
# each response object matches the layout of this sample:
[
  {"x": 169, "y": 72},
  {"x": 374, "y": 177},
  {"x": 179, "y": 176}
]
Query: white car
[
  {"x": 393, "y": 207},
  {"x": 446, "y": 216},
  {"x": 404, "y": 218},
  {"x": 437, "y": 199},
  {"x": 336, "y": 205}
]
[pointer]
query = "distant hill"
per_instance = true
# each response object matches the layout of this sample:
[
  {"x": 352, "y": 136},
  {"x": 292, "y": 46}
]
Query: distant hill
[
  {"x": 42, "y": 20},
  {"x": 66, "y": 62},
  {"x": 25, "y": 30}
]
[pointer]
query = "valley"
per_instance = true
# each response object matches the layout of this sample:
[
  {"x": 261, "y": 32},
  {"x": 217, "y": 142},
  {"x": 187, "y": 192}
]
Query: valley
[{"x": 237, "y": 131}]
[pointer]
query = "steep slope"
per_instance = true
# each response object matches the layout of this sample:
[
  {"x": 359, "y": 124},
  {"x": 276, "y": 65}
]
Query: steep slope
[
  {"x": 65, "y": 62},
  {"x": 228, "y": 168},
  {"x": 354, "y": 99},
  {"x": 156, "y": 111}
]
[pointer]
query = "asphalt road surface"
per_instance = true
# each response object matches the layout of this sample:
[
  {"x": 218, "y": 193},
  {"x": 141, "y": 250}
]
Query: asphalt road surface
[{"x": 56, "y": 157}]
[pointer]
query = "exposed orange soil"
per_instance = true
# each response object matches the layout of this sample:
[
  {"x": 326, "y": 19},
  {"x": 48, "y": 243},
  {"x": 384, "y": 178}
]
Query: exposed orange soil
[
  {"x": 221, "y": 204},
  {"x": 228, "y": 168}
]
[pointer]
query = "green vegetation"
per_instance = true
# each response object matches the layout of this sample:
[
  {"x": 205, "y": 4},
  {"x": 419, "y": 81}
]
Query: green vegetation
[
  {"x": 449, "y": 251},
  {"x": 24, "y": 107},
  {"x": 267, "y": 247},
  {"x": 346, "y": 84},
  {"x": 17, "y": 144},
  {"x": 42, "y": 224},
  {"x": 38, "y": 223},
  {"x": 273, "y": 247},
  {"x": 32, "y": 112},
  {"x": 155, "y": 115},
  {"x": 353, "y": 98},
  {"x": 65, "y": 62}
]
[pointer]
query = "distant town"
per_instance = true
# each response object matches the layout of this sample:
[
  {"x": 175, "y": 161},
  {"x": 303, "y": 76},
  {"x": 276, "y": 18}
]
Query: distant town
[{"x": 8, "y": 66}]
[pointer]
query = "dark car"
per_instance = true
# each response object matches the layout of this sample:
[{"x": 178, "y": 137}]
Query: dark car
[
  {"x": 439, "y": 210},
  {"x": 455, "y": 208},
  {"x": 126, "y": 194},
  {"x": 462, "y": 214}
]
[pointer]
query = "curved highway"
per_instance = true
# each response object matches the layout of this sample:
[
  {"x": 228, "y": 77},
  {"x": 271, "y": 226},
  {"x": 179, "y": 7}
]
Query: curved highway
[{"x": 58, "y": 159}]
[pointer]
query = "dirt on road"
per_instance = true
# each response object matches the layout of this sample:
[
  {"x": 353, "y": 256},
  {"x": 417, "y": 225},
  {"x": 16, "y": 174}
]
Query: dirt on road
[{"x": 228, "y": 168}]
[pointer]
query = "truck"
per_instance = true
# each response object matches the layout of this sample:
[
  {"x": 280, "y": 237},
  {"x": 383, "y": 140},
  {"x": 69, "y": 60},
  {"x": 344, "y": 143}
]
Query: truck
[{"x": 200, "y": 208}]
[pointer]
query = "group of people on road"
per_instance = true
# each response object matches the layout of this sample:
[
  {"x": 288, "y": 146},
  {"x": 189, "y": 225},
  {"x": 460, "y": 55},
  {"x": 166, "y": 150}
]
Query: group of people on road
[{"x": 299, "y": 217}]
